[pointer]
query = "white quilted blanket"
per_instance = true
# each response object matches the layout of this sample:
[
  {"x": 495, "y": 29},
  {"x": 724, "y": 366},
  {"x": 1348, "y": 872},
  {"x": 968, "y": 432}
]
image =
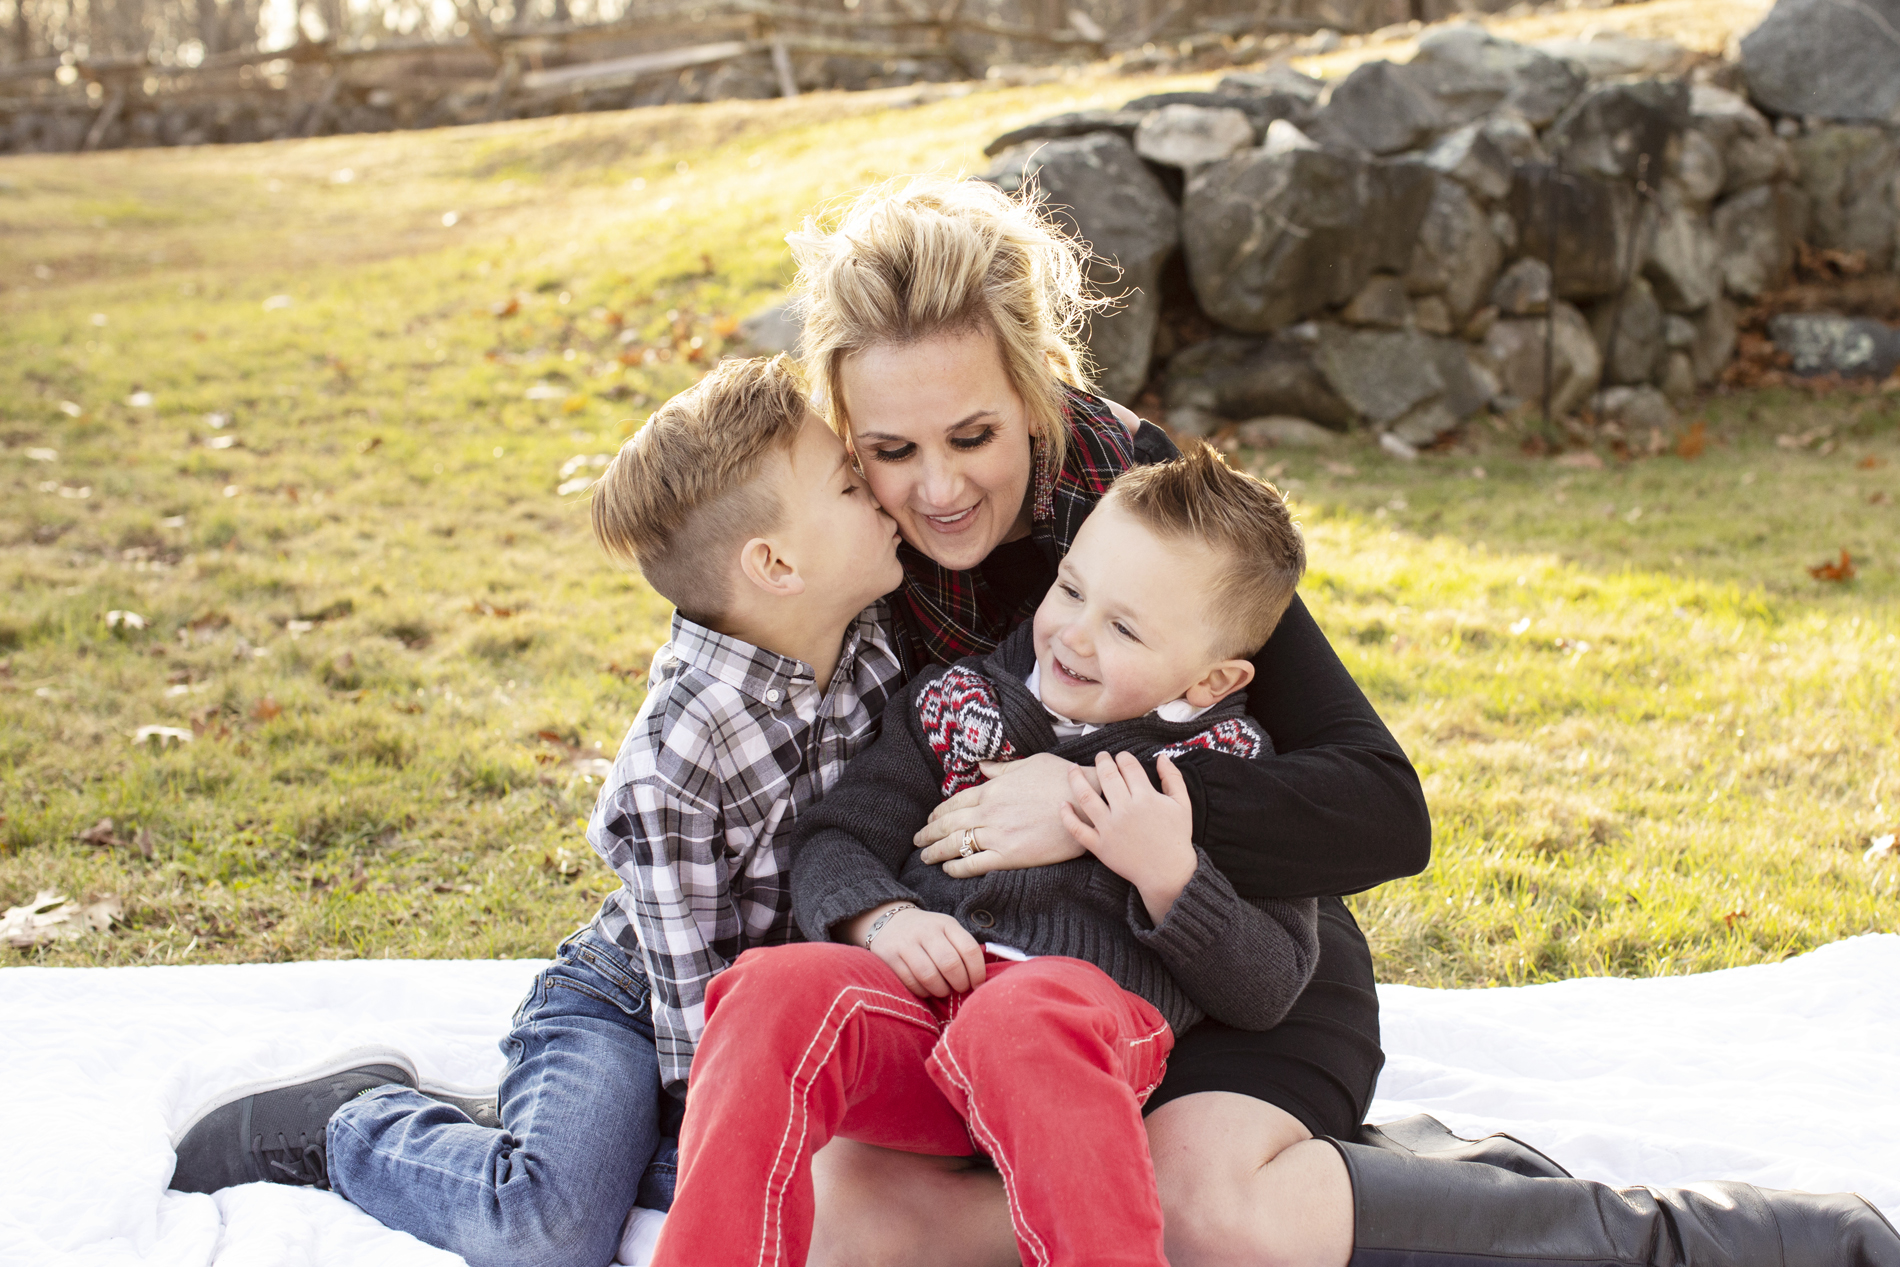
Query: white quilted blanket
[{"x": 1786, "y": 1075}]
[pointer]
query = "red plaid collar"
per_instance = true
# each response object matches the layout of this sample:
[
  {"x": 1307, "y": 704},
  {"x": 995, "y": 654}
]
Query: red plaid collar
[{"x": 949, "y": 615}]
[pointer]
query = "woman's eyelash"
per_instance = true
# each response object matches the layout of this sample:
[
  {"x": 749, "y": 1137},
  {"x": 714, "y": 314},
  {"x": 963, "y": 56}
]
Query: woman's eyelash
[
  {"x": 974, "y": 442},
  {"x": 893, "y": 455}
]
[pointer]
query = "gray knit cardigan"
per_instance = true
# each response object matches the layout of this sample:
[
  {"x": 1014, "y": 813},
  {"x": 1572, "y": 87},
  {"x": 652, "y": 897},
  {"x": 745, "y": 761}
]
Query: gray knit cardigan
[{"x": 1241, "y": 961}]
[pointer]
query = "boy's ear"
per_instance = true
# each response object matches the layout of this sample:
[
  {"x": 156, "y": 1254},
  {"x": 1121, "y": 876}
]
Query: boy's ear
[
  {"x": 1220, "y": 681},
  {"x": 768, "y": 570}
]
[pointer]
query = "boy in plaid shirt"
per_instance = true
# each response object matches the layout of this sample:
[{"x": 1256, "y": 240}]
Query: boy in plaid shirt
[{"x": 745, "y": 511}]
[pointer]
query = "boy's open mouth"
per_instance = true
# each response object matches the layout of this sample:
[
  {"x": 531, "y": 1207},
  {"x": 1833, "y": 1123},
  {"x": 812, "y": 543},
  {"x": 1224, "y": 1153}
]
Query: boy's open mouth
[{"x": 1071, "y": 675}]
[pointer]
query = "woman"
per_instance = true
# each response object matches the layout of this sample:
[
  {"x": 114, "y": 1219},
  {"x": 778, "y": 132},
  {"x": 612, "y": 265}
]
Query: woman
[{"x": 941, "y": 329}]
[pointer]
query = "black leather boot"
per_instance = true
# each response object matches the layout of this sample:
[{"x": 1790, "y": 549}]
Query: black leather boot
[
  {"x": 1420, "y": 1212},
  {"x": 1423, "y": 1135}
]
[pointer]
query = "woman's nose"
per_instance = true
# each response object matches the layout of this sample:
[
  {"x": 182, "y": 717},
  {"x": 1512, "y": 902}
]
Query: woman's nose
[{"x": 941, "y": 485}]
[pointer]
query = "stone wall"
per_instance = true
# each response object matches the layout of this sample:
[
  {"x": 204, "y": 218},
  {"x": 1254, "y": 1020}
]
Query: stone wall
[{"x": 1398, "y": 249}]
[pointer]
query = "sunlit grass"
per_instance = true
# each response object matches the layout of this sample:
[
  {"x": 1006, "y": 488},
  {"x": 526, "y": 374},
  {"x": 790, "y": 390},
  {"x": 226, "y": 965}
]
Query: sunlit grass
[{"x": 1652, "y": 742}]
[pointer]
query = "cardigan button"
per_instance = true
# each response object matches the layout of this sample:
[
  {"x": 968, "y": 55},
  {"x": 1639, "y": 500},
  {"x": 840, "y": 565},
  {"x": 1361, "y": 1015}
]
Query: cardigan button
[{"x": 982, "y": 918}]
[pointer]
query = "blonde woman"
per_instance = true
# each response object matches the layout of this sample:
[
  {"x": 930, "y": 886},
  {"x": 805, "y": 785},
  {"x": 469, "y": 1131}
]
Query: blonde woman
[{"x": 942, "y": 331}]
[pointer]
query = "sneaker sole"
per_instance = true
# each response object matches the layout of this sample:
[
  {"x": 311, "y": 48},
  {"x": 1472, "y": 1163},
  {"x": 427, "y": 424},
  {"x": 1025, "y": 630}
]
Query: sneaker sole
[{"x": 354, "y": 1058}]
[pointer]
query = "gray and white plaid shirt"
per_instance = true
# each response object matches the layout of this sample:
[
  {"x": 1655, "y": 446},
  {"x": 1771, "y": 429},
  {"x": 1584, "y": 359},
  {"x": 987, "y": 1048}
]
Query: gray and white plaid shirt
[{"x": 732, "y": 743}]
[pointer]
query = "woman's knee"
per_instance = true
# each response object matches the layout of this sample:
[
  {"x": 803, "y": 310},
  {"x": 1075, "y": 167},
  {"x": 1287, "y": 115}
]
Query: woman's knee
[{"x": 880, "y": 1208}]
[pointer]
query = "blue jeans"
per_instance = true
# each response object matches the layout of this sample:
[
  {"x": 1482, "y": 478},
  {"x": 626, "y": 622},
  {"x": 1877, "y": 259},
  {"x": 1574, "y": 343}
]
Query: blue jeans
[{"x": 581, "y": 1140}]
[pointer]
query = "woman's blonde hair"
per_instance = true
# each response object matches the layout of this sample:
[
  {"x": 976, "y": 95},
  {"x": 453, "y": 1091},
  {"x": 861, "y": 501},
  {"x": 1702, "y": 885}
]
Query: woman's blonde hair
[{"x": 918, "y": 257}]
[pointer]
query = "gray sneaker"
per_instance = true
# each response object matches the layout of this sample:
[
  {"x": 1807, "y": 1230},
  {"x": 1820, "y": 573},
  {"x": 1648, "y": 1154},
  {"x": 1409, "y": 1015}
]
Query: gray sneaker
[{"x": 273, "y": 1130}]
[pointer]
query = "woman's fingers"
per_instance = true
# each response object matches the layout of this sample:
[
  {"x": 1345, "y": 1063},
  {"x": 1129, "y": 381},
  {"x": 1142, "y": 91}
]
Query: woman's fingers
[
  {"x": 942, "y": 839},
  {"x": 968, "y": 798},
  {"x": 982, "y": 862}
]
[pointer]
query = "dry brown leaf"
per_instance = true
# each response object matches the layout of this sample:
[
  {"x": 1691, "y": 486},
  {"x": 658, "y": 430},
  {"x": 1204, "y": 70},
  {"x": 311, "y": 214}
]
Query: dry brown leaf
[
  {"x": 266, "y": 709},
  {"x": 1842, "y": 571},
  {"x": 1871, "y": 462},
  {"x": 506, "y": 307},
  {"x": 1584, "y": 460},
  {"x": 51, "y": 916},
  {"x": 1693, "y": 441}
]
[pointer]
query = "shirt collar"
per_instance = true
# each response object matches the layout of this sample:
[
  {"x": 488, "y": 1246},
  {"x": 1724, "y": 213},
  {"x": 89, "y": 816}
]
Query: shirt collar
[{"x": 753, "y": 671}]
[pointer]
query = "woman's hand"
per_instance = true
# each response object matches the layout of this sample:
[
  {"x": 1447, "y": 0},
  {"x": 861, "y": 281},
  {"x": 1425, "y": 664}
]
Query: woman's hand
[
  {"x": 1144, "y": 836},
  {"x": 931, "y": 954},
  {"x": 1014, "y": 816}
]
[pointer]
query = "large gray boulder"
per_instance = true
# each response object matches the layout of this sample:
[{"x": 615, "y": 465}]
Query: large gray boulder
[
  {"x": 1680, "y": 259},
  {"x": 1755, "y": 235},
  {"x": 1470, "y": 157},
  {"x": 1751, "y": 152},
  {"x": 1472, "y": 73},
  {"x": 1191, "y": 137},
  {"x": 1622, "y": 130},
  {"x": 1275, "y": 77},
  {"x": 1274, "y": 238},
  {"x": 1062, "y": 126},
  {"x": 1514, "y": 349},
  {"x": 1380, "y": 108},
  {"x": 1715, "y": 339},
  {"x": 1383, "y": 374},
  {"x": 1099, "y": 189},
  {"x": 1848, "y": 174},
  {"x": 1698, "y": 172},
  {"x": 1590, "y": 220},
  {"x": 1630, "y": 331},
  {"x": 1457, "y": 254},
  {"x": 1259, "y": 109},
  {"x": 1827, "y": 59},
  {"x": 1853, "y": 347},
  {"x": 1239, "y": 378}
]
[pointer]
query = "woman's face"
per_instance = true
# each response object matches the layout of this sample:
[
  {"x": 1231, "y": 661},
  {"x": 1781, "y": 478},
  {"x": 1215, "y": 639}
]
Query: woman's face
[{"x": 943, "y": 439}]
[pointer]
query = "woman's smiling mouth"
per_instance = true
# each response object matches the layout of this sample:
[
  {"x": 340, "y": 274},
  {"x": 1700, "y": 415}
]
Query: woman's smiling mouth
[{"x": 952, "y": 523}]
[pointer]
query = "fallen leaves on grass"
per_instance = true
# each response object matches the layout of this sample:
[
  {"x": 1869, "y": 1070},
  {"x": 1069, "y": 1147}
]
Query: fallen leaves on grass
[
  {"x": 561, "y": 862},
  {"x": 370, "y": 445},
  {"x": 104, "y": 835},
  {"x": 1871, "y": 462},
  {"x": 1732, "y": 916},
  {"x": 1584, "y": 460},
  {"x": 481, "y": 607},
  {"x": 1841, "y": 571},
  {"x": 52, "y": 916},
  {"x": 1806, "y": 439},
  {"x": 164, "y": 734},
  {"x": 266, "y": 709},
  {"x": 1693, "y": 441},
  {"x": 624, "y": 673}
]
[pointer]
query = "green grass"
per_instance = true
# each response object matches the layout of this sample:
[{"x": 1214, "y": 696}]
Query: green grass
[{"x": 399, "y": 651}]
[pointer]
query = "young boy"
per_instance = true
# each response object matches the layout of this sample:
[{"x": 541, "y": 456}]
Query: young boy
[
  {"x": 1025, "y": 1014},
  {"x": 744, "y": 510}
]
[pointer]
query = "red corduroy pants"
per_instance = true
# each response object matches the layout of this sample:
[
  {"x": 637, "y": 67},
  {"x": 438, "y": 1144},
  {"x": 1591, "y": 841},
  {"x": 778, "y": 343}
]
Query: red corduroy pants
[{"x": 1044, "y": 1067}]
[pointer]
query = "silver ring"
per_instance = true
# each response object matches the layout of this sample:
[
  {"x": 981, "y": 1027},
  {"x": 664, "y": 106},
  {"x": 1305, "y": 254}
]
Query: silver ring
[{"x": 969, "y": 845}]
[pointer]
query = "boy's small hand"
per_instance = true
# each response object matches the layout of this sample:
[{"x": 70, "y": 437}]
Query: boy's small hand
[
  {"x": 932, "y": 954},
  {"x": 1143, "y": 835}
]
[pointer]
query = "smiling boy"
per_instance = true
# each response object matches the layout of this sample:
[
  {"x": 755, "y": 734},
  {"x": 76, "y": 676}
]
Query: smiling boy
[
  {"x": 745, "y": 511},
  {"x": 1026, "y": 1013}
]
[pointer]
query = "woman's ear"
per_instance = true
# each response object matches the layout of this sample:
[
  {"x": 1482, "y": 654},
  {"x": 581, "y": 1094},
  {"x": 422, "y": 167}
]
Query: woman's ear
[
  {"x": 1219, "y": 682},
  {"x": 769, "y": 571}
]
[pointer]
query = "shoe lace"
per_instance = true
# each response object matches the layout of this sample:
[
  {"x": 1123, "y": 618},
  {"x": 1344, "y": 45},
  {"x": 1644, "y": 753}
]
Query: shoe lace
[{"x": 300, "y": 1163}]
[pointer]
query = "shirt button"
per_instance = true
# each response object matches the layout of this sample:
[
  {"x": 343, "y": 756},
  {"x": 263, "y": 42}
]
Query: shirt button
[
  {"x": 771, "y": 696},
  {"x": 982, "y": 918}
]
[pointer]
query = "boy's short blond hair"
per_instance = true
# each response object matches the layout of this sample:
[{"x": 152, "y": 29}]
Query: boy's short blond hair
[
  {"x": 1199, "y": 498},
  {"x": 685, "y": 492}
]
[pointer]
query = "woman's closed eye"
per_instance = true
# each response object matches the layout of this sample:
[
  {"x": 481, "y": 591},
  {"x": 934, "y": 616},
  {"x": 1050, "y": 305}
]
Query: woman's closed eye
[{"x": 962, "y": 444}]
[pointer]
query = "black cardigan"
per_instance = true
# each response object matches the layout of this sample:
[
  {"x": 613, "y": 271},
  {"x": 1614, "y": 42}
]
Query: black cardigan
[{"x": 1243, "y": 961}]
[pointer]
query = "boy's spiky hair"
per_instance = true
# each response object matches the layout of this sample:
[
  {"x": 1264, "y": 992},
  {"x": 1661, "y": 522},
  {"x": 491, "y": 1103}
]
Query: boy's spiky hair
[
  {"x": 1199, "y": 498},
  {"x": 684, "y": 492}
]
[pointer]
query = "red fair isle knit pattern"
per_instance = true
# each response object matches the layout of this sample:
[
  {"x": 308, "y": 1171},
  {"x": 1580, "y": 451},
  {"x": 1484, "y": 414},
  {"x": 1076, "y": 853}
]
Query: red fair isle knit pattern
[
  {"x": 964, "y": 727},
  {"x": 1236, "y": 735}
]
